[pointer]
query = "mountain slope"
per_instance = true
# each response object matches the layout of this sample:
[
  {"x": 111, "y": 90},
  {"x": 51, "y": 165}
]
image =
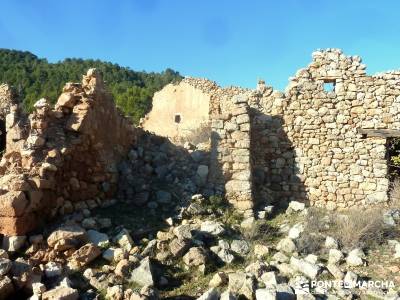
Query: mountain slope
[{"x": 35, "y": 78}]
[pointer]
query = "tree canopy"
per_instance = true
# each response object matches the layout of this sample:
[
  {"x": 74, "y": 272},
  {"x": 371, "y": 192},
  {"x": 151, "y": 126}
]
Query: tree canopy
[{"x": 35, "y": 78}]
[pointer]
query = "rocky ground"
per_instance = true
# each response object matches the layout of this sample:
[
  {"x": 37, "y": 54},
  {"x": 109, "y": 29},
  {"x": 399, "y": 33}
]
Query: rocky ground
[{"x": 161, "y": 239}]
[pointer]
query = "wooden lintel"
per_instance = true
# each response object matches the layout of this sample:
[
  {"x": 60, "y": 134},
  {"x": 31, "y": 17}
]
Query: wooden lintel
[{"x": 382, "y": 133}]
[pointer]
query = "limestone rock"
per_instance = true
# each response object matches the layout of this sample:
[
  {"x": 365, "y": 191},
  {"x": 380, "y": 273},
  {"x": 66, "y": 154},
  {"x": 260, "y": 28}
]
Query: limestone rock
[
  {"x": 114, "y": 254},
  {"x": 240, "y": 247},
  {"x": 196, "y": 256},
  {"x": 67, "y": 237},
  {"x": 241, "y": 284},
  {"x": 211, "y": 294},
  {"x": 266, "y": 294},
  {"x": 212, "y": 227},
  {"x": 219, "y": 278},
  {"x": 286, "y": 245},
  {"x": 61, "y": 293},
  {"x": 178, "y": 247},
  {"x": 97, "y": 238},
  {"x": 124, "y": 239},
  {"x": 305, "y": 267},
  {"x": 355, "y": 258},
  {"x": 85, "y": 254},
  {"x": 143, "y": 275}
]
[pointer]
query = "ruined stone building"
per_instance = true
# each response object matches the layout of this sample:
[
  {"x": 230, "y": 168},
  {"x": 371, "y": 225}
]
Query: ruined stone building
[
  {"x": 62, "y": 158},
  {"x": 322, "y": 141}
]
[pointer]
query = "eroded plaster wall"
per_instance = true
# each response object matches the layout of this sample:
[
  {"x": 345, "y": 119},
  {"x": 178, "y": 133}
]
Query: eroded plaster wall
[{"x": 180, "y": 108}]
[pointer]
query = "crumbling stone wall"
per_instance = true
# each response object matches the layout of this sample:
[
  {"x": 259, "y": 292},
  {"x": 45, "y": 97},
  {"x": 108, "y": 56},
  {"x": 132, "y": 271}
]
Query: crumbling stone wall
[
  {"x": 313, "y": 134},
  {"x": 66, "y": 158}
]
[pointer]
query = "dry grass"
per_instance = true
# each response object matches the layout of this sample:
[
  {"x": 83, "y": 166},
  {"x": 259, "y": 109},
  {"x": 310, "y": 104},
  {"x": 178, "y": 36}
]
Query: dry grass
[
  {"x": 316, "y": 226},
  {"x": 360, "y": 228},
  {"x": 352, "y": 228}
]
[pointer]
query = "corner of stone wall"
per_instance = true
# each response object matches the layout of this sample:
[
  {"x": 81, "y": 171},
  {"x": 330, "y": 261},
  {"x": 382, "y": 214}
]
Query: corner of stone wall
[
  {"x": 66, "y": 159},
  {"x": 230, "y": 151}
]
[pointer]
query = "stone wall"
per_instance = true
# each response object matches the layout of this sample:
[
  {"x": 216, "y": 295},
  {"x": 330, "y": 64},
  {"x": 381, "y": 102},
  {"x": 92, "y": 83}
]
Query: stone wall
[
  {"x": 230, "y": 151},
  {"x": 309, "y": 145},
  {"x": 66, "y": 158}
]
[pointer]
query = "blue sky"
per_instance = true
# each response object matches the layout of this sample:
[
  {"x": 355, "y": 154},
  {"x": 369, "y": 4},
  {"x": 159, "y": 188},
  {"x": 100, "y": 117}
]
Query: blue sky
[{"x": 230, "y": 41}]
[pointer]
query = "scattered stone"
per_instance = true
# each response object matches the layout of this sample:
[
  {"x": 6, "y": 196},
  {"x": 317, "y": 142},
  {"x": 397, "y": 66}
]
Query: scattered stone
[
  {"x": 122, "y": 268},
  {"x": 286, "y": 245},
  {"x": 52, "y": 269},
  {"x": 240, "y": 247},
  {"x": 305, "y": 267},
  {"x": 355, "y": 258},
  {"x": 143, "y": 275},
  {"x": 183, "y": 232},
  {"x": 296, "y": 206},
  {"x": 295, "y": 231},
  {"x": 97, "y": 238},
  {"x": 247, "y": 223},
  {"x": 331, "y": 243},
  {"x": 335, "y": 256},
  {"x": 38, "y": 288},
  {"x": 89, "y": 223},
  {"x": 219, "y": 279},
  {"x": 266, "y": 294},
  {"x": 5, "y": 266},
  {"x": 241, "y": 284},
  {"x": 212, "y": 227},
  {"x": 260, "y": 251},
  {"x": 115, "y": 292},
  {"x": 196, "y": 256},
  {"x": 114, "y": 254},
  {"x": 67, "y": 237},
  {"x": 85, "y": 255},
  {"x": 227, "y": 295},
  {"x": 350, "y": 279},
  {"x": 178, "y": 247},
  {"x": 269, "y": 278},
  {"x": 124, "y": 239},
  {"x": 211, "y": 294},
  {"x": 61, "y": 293},
  {"x": 3, "y": 253}
]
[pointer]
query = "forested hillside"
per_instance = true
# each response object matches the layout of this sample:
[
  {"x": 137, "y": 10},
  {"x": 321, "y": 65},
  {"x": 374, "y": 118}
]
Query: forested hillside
[{"x": 35, "y": 78}]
